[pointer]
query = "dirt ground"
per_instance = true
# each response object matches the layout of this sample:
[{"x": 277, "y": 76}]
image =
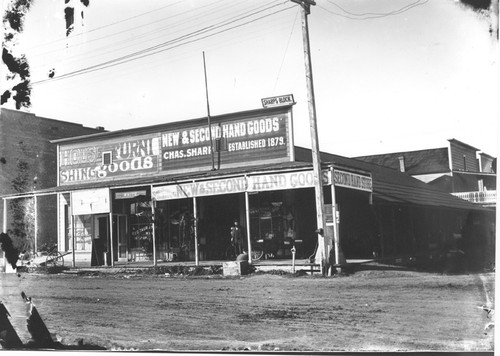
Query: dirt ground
[{"x": 369, "y": 310}]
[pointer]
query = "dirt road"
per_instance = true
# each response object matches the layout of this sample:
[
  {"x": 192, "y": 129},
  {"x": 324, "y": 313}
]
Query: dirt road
[{"x": 366, "y": 311}]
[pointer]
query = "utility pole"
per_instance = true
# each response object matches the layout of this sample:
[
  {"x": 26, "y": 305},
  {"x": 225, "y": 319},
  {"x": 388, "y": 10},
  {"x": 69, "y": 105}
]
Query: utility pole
[
  {"x": 208, "y": 114},
  {"x": 317, "y": 173}
]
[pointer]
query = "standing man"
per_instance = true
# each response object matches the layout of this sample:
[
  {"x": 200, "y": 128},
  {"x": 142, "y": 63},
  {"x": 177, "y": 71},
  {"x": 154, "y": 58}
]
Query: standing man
[{"x": 237, "y": 238}]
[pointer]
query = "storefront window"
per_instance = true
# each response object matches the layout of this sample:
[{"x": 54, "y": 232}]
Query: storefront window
[
  {"x": 272, "y": 223},
  {"x": 180, "y": 238},
  {"x": 82, "y": 231},
  {"x": 141, "y": 226}
]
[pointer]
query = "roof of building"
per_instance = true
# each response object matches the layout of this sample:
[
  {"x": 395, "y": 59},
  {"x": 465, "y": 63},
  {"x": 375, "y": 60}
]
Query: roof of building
[
  {"x": 428, "y": 161},
  {"x": 11, "y": 113},
  {"x": 389, "y": 185},
  {"x": 458, "y": 142},
  {"x": 393, "y": 186}
]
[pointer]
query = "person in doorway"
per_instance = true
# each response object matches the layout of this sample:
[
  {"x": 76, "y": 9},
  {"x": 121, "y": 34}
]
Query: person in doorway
[{"x": 237, "y": 238}]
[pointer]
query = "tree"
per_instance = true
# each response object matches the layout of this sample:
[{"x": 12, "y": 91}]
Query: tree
[
  {"x": 23, "y": 209},
  {"x": 17, "y": 64},
  {"x": 487, "y": 9}
]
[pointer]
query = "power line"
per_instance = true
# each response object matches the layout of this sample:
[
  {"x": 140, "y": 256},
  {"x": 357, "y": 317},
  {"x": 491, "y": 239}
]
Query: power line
[
  {"x": 111, "y": 50},
  {"x": 106, "y": 26},
  {"x": 119, "y": 32},
  {"x": 160, "y": 48},
  {"x": 372, "y": 15},
  {"x": 286, "y": 50}
]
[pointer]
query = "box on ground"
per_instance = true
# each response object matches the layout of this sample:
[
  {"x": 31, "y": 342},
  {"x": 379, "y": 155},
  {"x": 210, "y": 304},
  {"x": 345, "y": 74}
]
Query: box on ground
[{"x": 235, "y": 268}]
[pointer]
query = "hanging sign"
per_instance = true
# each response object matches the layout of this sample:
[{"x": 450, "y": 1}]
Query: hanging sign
[
  {"x": 129, "y": 195},
  {"x": 90, "y": 201},
  {"x": 277, "y": 101},
  {"x": 352, "y": 180}
]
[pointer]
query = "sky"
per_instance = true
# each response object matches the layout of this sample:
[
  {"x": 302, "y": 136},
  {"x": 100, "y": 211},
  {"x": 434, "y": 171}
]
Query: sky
[{"x": 389, "y": 75}]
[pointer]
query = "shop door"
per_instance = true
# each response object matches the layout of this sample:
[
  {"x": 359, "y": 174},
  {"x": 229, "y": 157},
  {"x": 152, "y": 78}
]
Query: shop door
[
  {"x": 100, "y": 240},
  {"x": 120, "y": 242}
]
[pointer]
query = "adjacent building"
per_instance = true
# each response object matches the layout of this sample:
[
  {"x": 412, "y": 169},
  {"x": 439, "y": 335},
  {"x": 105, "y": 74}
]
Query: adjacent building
[
  {"x": 458, "y": 168},
  {"x": 28, "y": 162}
]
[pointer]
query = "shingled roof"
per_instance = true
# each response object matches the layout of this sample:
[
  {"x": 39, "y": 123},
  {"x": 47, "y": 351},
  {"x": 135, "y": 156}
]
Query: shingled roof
[
  {"x": 428, "y": 161},
  {"x": 390, "y": 185}
]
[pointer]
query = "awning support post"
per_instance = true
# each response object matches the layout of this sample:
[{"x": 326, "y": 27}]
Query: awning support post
[
  {"x": 247, "y": 217},
  {"x": 195, "y": 227},
  {"x": 4, "y": 230},
  {"x": 35, "y": 208},
  {"x": 153, "y": 229},
  {"x": 111, "y": 230}
]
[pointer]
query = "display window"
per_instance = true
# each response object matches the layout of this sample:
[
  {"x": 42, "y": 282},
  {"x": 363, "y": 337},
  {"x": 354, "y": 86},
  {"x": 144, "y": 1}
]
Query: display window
[
  {"x": 272, "y": 224},
  {"x": 82, "y": 233},
  {"x": 216, "y": 216},
  {"x": 175, "y": 230}
]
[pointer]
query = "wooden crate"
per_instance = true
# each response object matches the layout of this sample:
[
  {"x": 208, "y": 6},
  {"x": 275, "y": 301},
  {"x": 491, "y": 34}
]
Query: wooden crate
[{"x": 235, "y": 268}]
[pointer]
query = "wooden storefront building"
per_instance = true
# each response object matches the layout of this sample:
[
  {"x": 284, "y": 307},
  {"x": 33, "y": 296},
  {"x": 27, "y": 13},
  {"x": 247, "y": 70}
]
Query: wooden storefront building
[{"x": 172, "y": 192}]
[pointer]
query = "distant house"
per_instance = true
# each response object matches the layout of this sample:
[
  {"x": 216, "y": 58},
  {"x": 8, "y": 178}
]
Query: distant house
[
  {"x": 459, "y": 169},
  {"x": 28, "y": 161}
]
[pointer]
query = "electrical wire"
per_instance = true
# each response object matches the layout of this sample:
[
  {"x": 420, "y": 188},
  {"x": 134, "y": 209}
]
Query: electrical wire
[
  {"x": 286, "y": 50},
  {"x": 113, "y": 48},
  {"x": 72, "y": 46},
  {"x": 372, "y": 15},
  {"x": 105, "y": 26},
  {"x": 245, "y": 14},
  {"x": 184, "y": 40},
  {"x": 157, "y": 30}
]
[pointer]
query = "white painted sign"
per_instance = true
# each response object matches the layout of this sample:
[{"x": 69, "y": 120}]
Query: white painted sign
[
  {"x": 200, "y": 189},
  {"x": 259, "y": 183},
  {"x": 280, "y": 181},
  {"x": 352, "y": 180},
  {"x": 278, "y": 101},
  {"x": 90, "y": 201},
  {"x": 129, "y": 195}
]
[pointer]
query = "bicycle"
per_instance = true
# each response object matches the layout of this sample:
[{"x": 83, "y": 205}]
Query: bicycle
[
  {"x": 257, "y": 251},
  {"x": 264, "y": 247}
]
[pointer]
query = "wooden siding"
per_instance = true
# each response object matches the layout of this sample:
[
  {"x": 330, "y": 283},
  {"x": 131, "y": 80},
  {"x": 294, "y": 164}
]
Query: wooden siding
[{"x": 463, "y": 157}]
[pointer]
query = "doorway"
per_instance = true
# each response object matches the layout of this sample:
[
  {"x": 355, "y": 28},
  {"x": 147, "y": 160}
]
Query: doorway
[
  {"x": 101, "y": 242},
  {"x": 120, "y": 240},
  {"x": 216, "y": 216},
  {"x": 100, "y": 237}
]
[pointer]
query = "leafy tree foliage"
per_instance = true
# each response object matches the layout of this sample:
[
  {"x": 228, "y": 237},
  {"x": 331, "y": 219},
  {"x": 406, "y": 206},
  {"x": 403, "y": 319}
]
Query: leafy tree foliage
[
  {"x": 13, "y": 22},
  {"x": 23, "y": 209}
]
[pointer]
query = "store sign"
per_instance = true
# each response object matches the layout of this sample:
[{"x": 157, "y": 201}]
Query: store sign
[
  {"x": 200, "y": 189},
  {"x": 259, "y": 183},
  {"x": 108, "y": 160},
  {"x": 280, "y": 181},
  {"x": 90, "y": 201},
  {"x": 253, "y": 139},
  {"x": 352, "y": 180},
  {"x": 278, "y": 101},
  {"x": 130, "y": 195}
]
